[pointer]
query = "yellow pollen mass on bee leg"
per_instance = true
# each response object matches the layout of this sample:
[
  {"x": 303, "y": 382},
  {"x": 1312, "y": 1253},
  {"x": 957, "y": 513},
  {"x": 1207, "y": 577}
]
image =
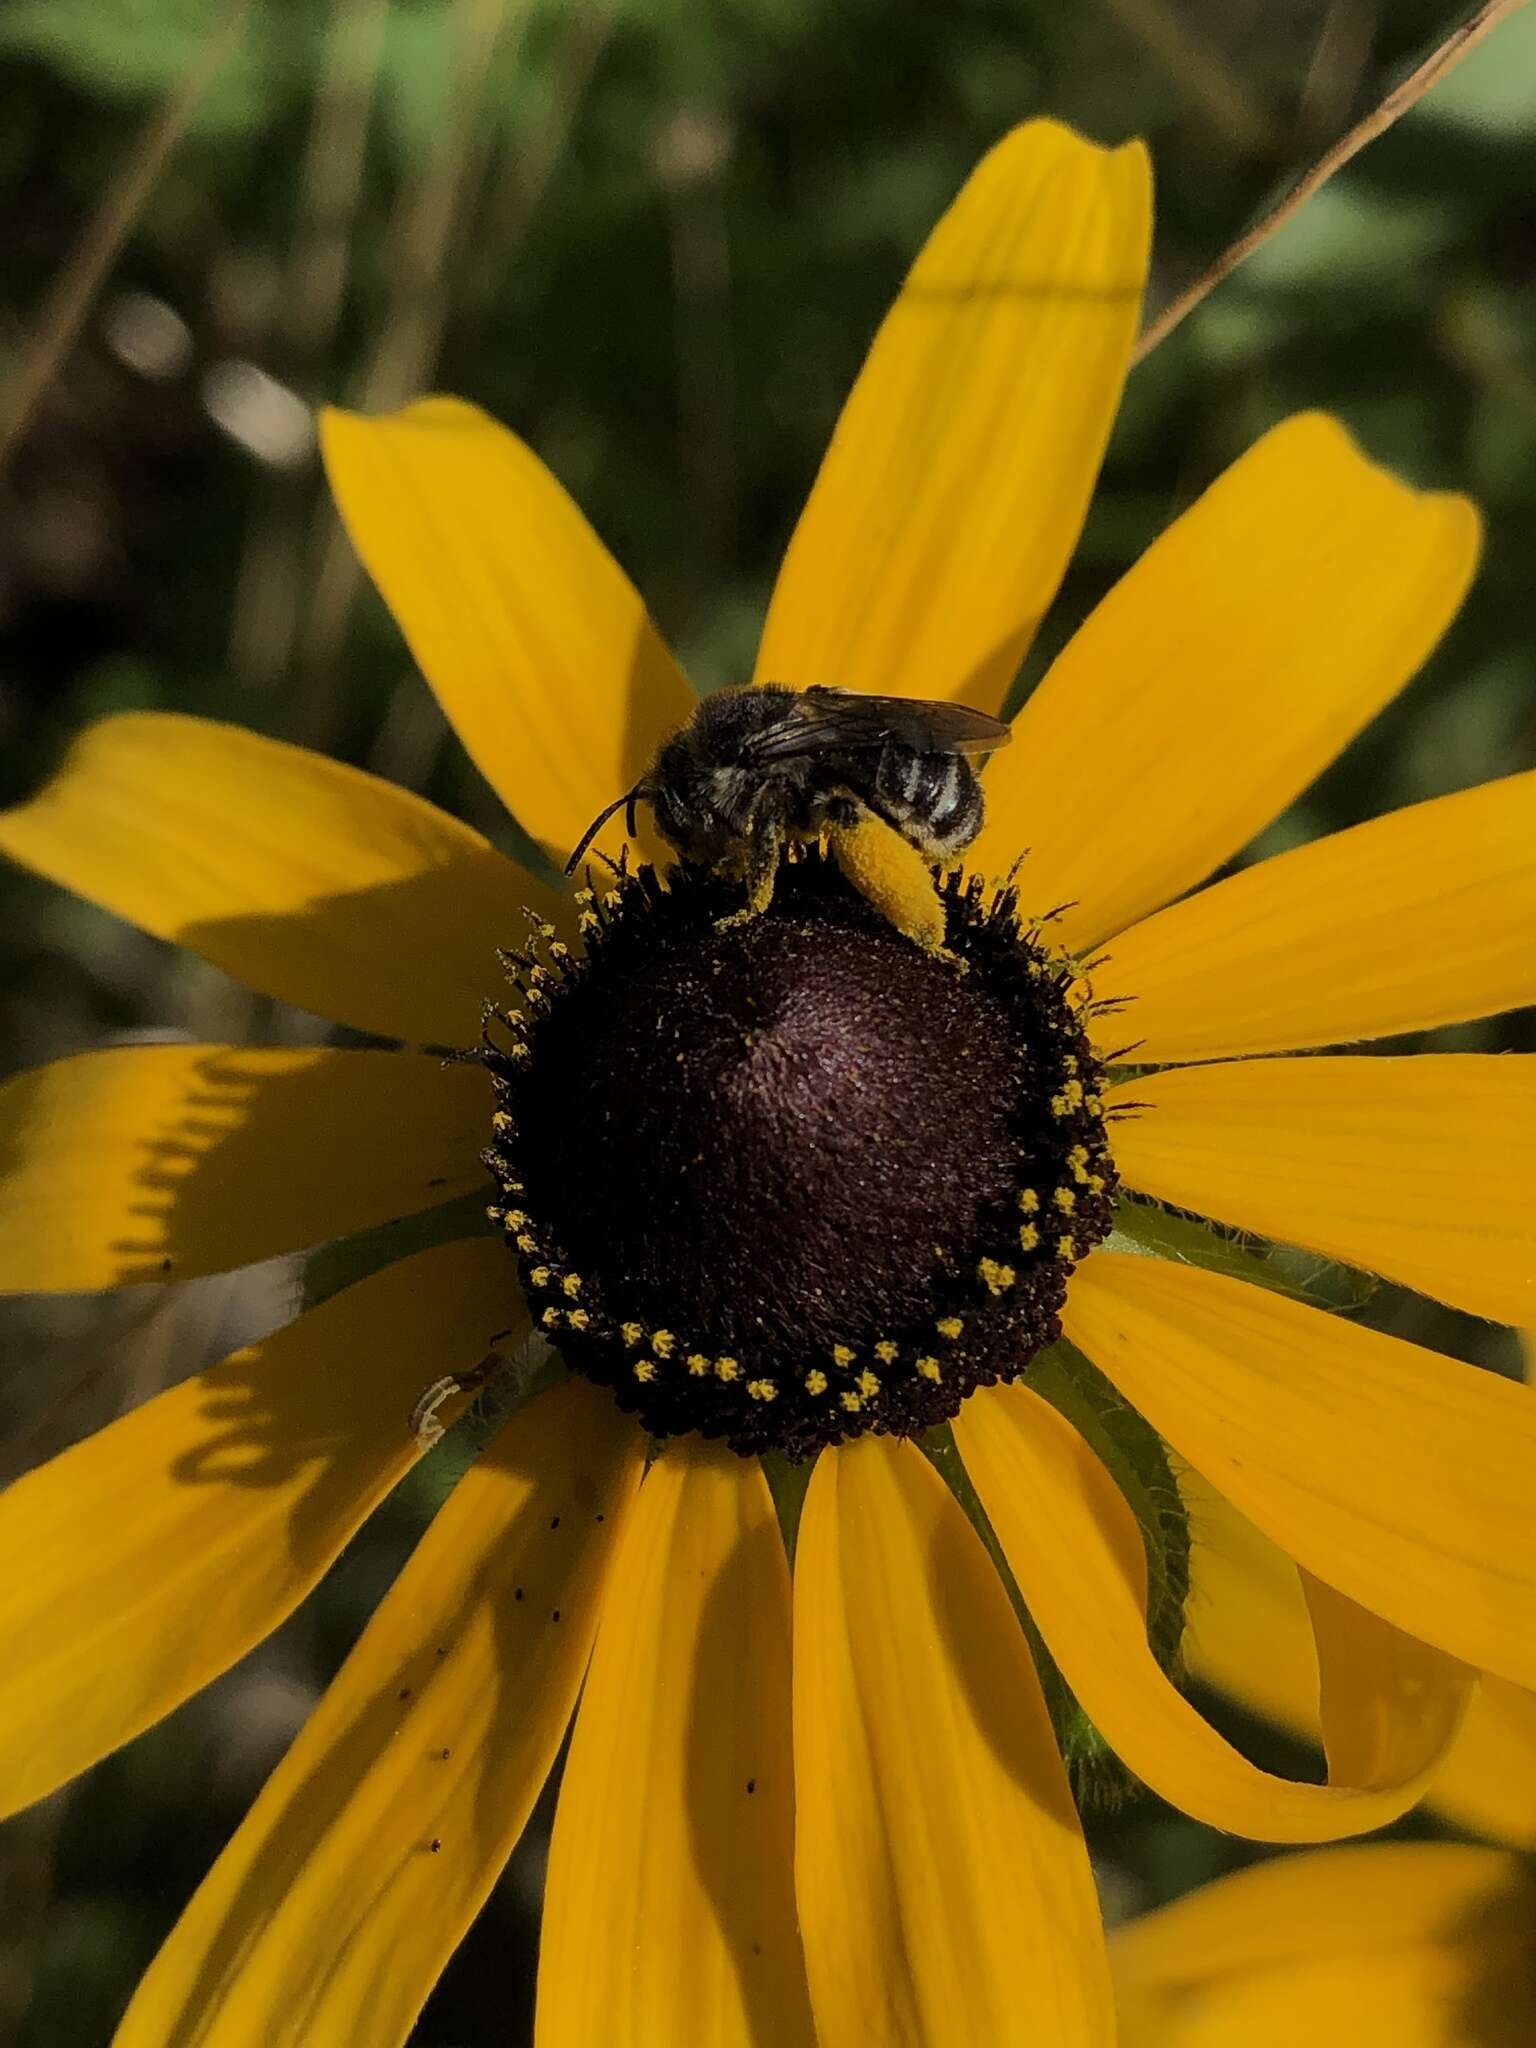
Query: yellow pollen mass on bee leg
[{"x": 895, "y": 878}]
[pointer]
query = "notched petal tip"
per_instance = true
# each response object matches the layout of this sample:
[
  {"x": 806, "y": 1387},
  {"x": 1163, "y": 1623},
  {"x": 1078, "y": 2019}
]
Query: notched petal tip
[
  {"x": 960, "y": 470},
  {"x": 1241, "y": 653}
]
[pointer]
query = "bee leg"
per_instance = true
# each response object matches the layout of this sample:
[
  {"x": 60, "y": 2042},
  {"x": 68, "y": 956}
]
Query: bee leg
[
  {"x": 893, "y": 874},
  {"x": 760, "y": 869}
]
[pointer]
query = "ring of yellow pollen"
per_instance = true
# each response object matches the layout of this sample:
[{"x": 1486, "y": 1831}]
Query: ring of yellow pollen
[{"x": 787, "y": 1180}]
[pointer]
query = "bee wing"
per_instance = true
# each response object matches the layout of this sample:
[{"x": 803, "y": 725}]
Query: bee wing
[{"x": 820, "y": 717}]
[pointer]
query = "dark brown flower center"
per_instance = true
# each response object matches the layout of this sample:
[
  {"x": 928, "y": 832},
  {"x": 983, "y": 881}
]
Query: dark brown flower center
[{"x": 786, "y": 1181}]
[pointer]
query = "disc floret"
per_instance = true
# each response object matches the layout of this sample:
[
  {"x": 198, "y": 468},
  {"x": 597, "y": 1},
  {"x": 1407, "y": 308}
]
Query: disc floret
[{"x": 786, "y": 1181}]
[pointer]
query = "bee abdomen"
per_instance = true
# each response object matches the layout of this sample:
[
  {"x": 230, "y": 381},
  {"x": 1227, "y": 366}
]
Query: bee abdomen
[{"x": 932, "y": 799}]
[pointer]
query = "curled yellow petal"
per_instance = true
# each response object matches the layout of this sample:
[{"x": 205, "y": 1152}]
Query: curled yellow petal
[
  {"x": 1076, "y": 1554},
  {"x": 354, "y": 1877},
  {"x": 960, "y": 470},
  {"x": 536, "y": 643},
  {"x": 943, "y": 1883},
  {"x": 309, "y": 880},
  {"x": 1250, "y": 1636},
  {"x": 1422, "y": 1169},
  {"x": 160, "y": 1549},
  {"x": 1399, "y": 1477},
  {"x": 1223, "y": 672},
  {"x": 669, "y": 1911},
  {"x": 158, "y": 1162}
]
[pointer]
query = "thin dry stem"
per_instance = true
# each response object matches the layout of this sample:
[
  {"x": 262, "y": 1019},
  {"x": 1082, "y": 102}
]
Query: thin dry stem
[{"x": 1458, "y": 44}]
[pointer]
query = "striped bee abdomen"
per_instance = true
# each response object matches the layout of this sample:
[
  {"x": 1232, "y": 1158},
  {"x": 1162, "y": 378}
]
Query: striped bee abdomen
[{"x": 932, "y": 799}]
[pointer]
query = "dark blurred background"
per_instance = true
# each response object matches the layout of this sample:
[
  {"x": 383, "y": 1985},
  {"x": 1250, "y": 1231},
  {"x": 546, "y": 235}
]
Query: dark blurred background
[{"x": 656, "y": 242}]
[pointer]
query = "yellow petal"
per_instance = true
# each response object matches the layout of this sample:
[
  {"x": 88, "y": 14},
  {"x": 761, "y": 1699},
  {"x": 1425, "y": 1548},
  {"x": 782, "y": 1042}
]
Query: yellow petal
[
  {"x": 1488, "y": 1785},
  {"x": 669, "y": 1911},
  {"x": 332, "y": 1912},
  {"x": 1390, "y": 1707},
  {"x": 944, "y": 1889},
  {"x": 160, "y": 1549},
  {"x": 960, "y": 470},
  {"x": 1227, "y": 669},
  {"x": 157, "y": 1162},
  {"x": 1419, "y": 918},
  {"x": 313, "y": 882},
  {"x": 1395, "y": 1945},
  {"x": 1076, "y": 1553},
  {"x": 1423, "y": 1170},
  {"x": 534, "y": 640},
  {"x": 1249, "y": 1635},
  {"x": 1400, "y": 1477}
]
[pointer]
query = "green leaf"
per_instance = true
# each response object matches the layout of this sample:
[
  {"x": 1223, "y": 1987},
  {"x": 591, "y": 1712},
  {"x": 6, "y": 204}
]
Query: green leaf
[
  {"x": 346, "y": 1260},
  {"x": 1136, "y": 1455},
  {"x": 1151, "y": 1232}
]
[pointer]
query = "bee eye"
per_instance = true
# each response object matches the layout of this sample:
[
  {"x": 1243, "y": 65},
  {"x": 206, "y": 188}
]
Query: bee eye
[{"x": 785, "y": 1181}]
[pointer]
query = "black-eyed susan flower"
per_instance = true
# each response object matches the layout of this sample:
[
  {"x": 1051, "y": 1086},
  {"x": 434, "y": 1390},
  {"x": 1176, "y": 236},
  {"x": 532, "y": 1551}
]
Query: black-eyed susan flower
[{"x": 799, "y": 1184}]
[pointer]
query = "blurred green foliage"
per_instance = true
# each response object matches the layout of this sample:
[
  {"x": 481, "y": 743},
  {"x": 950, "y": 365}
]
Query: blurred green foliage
[{"x": 656, "y": 242}]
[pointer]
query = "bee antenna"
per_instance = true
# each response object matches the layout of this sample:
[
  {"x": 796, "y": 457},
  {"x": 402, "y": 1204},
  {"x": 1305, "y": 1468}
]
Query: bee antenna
[{"x": 625, "y": 803}]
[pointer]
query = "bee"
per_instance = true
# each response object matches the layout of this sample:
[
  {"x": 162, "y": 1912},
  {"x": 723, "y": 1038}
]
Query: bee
[{"x": 755, "y": 767}]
